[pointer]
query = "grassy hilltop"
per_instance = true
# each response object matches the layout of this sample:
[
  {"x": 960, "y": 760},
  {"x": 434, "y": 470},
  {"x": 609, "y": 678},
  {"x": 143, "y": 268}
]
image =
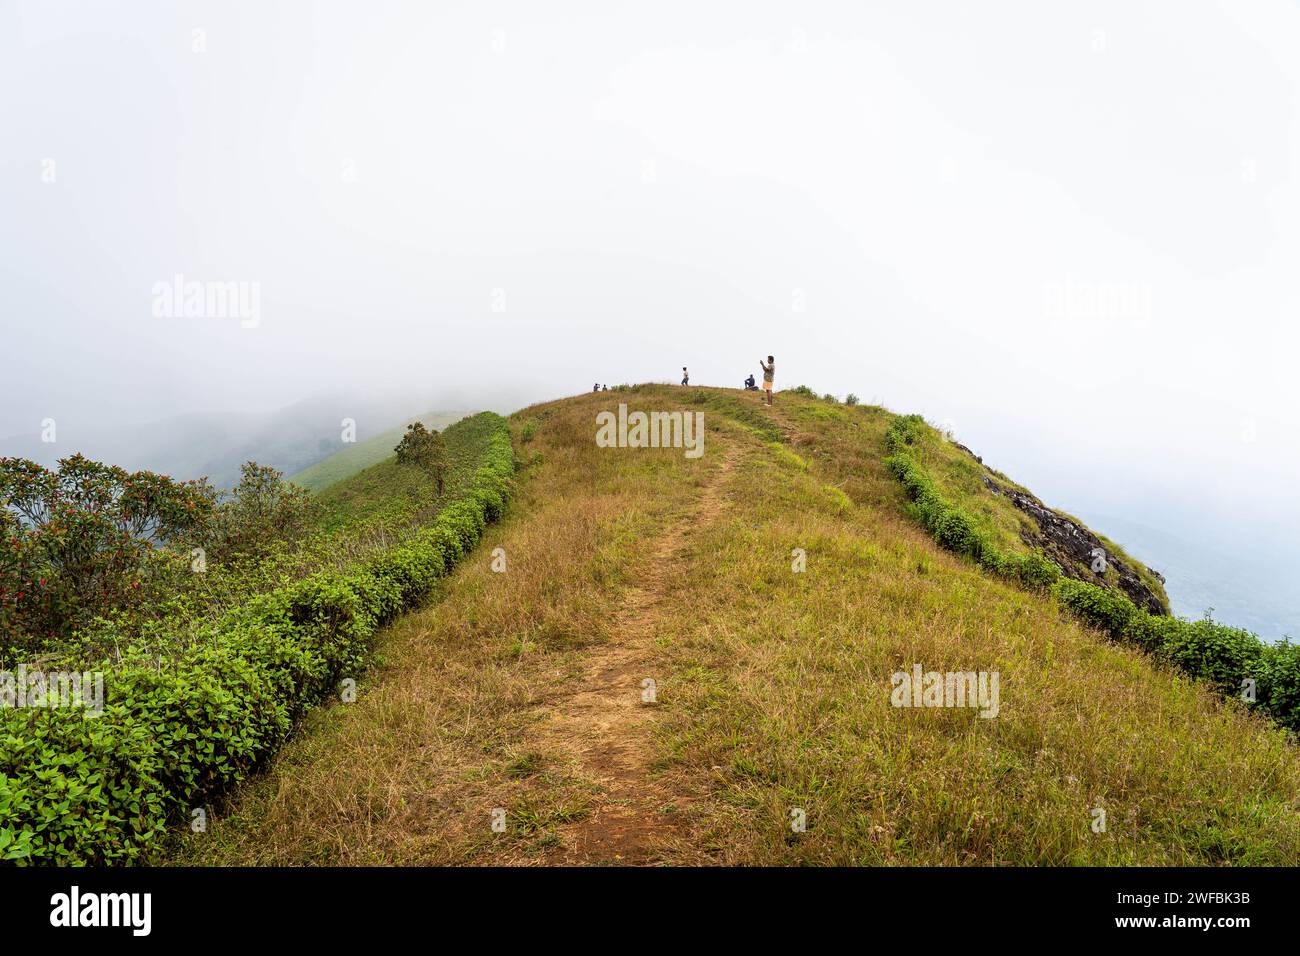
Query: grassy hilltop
[{"x": 663, "y": 659}]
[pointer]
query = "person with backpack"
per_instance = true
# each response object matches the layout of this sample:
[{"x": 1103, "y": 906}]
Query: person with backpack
[{"x": 769, "y": 373}]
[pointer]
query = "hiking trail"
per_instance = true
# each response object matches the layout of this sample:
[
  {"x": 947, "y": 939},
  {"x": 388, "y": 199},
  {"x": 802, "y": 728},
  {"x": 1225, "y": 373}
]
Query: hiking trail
[{"x": 606, "y": 727}]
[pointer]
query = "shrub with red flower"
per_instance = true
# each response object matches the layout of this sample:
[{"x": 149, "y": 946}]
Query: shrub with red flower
[{"x": 79, "y": 541}]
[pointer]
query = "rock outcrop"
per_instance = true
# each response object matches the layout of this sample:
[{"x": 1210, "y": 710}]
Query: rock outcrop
[{"x": 1078, "y": 550}]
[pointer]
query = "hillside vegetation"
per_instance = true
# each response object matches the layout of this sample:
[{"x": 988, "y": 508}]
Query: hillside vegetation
[
  {"x": 215, "y": 444},
  {"x": 1230, "y": 659},
  {"x": 203, "y": 687},
  {"x": 662, "y": 659},
  {"x": 363, "y": 454},
  {"x": 1014, "y": 521}
]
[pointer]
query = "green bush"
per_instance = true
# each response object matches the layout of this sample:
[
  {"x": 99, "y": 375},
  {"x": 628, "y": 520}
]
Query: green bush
[
  {"x": 77, "y": 789},
  {"x": 259, "y": 513},
  {"x": 1103, "y": 608},
  {"x": 954, "y": 531},
  {"x": 1216, "y": 653},
  {"x": 1035, "y": 570},
  {"x": 1221, "y": 655},
  {"x": 904, "y": 431},
  {"x": 1280, "y": 678}
]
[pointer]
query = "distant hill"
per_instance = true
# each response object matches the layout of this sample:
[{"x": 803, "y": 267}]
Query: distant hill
[{"x": 360, "y": 456}]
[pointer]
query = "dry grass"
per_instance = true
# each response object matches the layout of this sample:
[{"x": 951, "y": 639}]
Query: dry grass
[{"x": 773, "y": 687}]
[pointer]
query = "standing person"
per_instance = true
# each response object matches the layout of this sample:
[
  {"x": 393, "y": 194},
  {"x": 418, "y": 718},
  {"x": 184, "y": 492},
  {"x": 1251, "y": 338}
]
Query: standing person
[
  {"x": 769, "y": 373},
  {"x": 686, "y": 378}
]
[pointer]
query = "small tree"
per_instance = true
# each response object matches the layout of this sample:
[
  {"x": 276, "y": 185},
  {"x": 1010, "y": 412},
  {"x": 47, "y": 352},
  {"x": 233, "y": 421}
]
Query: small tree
[
  {"x": 850, "y": 399},
  {"x": 424, "y": 449},
  {"x": 439, "y": 459},
  {"x": 261, "y": 510}
]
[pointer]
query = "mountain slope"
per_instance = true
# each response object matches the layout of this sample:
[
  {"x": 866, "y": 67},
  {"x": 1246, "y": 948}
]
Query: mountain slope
[
  {"x": 360, "y": 456},
  {"x": 521, "y": 696},
  {"x": 1018, "y": 522}
]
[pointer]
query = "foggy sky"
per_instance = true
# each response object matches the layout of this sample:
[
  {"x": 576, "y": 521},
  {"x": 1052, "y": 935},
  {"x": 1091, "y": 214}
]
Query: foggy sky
[{"x": 1069, "y": 231}]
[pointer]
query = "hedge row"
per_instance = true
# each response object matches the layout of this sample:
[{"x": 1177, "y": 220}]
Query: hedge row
[
  {"x": 952, "y": 527},
  {"x": 1222, "y": 656},
  {"x": 76, "y": 789}
]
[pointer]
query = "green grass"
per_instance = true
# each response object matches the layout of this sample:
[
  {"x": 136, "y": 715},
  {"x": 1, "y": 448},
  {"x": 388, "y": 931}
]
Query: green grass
[
  {"x": 358, "y": 457},
  {"x": 778, "y": 699}
]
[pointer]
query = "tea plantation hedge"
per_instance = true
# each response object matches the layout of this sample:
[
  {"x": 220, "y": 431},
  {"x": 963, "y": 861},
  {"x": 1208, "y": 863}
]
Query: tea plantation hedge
[{"x": 76, "y": 789}]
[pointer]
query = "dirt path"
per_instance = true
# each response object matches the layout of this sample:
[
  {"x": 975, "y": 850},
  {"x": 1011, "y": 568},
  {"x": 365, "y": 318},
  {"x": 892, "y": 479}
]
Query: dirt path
[{"x": 606, "y": 724}]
